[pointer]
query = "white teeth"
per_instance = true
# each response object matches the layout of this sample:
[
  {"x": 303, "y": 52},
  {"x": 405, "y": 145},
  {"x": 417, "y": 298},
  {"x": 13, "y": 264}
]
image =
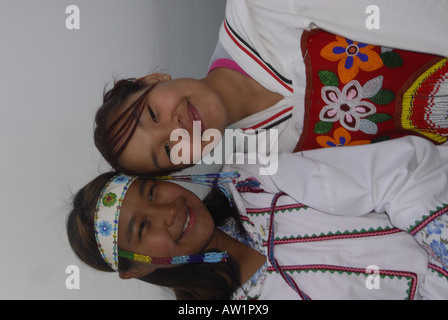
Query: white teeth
[{"x": 186, "y": 222}]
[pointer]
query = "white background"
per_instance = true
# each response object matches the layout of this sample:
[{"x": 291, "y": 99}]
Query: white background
[{"x": 51, "y": 84}]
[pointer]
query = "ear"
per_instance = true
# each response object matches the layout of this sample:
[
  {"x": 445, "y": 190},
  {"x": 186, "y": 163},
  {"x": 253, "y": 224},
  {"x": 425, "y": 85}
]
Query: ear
[
  {"x": 154, "y": 78},
  {"x": 137, "y": 272}
]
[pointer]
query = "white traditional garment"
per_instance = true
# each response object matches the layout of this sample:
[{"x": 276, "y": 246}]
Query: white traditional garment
[
  {"x": 264, "y": 37},
  {"x": 352, "y": 223}
]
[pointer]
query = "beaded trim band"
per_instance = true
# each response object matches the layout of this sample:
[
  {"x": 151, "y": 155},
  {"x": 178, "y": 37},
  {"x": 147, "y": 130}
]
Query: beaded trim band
[
  {"x": 108, "y": 211},
  {"x": 211, "y": 257},
  {"x": 213, "y": 180}
]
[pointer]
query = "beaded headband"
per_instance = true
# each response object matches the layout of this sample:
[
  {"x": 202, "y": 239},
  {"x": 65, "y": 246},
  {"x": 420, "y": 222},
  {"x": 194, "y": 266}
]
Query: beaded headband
[
  {"x": 108, "y": 211},
  {"x": 214, "y": 180}
]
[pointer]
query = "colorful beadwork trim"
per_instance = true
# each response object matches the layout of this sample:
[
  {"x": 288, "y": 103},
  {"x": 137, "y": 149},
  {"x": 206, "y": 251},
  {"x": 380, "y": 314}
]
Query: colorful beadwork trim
[
  {"x": 213, "y": 180},
  {"x": 425, "y": 104},
  {"x": 209, "y": 257}
]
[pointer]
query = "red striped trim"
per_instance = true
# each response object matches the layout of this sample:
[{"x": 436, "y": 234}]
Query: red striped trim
[
  {"x": 438, "y": 269},
  {"x": 277, "y": 208},
  {"x": 270, "y": 119},
  {"x": 255, "y": 58},
  {"x": 246, "y": 219},
  {"x": 336, "y": 237},
  {"x": 428, "y": 220},
  {"x": 411, "y": 275}
]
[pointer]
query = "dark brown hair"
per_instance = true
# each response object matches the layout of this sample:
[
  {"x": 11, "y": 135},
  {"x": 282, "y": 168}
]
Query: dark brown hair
[
  {"x": 189, "y": 281},
  {"x": 112, "y": 137}
]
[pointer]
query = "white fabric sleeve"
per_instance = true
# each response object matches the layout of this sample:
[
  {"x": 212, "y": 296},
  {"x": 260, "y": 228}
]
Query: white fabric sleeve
[
  {"x": 406, "y": 178},
  {"x": 416, "y": 25}
]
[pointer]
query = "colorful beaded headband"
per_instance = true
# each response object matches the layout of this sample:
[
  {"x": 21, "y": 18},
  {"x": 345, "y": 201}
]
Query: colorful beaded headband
[
  {"x": 108, "y": 211},
  {"x": 214, "y": 180},
  {"x": 106, "y": 217}
]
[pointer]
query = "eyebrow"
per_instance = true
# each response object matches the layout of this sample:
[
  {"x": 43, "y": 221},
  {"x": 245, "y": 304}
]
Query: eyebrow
[
  {"x": 141, "y": 191},
  {"x": 140, "y": 124},
  {"x": 141, "y": 188},
  {"x": 130, "y": 227},
  {"x": 141, "y": 104}
]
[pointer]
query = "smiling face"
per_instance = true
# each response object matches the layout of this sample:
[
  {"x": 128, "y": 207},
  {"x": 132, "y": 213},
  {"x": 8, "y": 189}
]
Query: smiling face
[
  {"x": 163, "y": 219},
  {"x": 171, "y": 105}
]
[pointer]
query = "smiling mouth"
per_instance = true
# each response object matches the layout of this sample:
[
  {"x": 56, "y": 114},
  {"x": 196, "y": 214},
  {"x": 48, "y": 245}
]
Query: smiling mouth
[
  {"x": 189, "y": 222},
  {"x": 186, "y": 222},
  {"x": 195, "y": 116}
]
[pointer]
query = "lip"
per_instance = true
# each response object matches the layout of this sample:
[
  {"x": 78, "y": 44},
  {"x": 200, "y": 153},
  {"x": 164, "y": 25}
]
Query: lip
[
  {"x": 192, "y": 215},
  {"x": 195, "y": 116}
]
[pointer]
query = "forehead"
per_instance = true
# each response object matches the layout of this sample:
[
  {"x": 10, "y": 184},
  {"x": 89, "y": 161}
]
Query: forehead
[
  {"x": 129, "y": 207},
  {"x": 137, "y": 194},
  {"x": 130, "y": 144},
  {"x": 117, "y": 117},
  {"x": 133, "y": 194}
]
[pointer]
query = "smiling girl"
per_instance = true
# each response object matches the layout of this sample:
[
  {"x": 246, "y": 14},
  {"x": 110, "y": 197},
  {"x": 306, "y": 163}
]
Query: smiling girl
[
  {"x": 277, "y": 66},
  {"x": 116, "y": 216},
  {"x": 135, "y": 125},
  {"x": 335, "y": 214}
]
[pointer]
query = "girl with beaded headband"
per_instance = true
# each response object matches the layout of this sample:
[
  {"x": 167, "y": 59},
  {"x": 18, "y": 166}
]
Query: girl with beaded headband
[
  {"x": 338, "y": 91},
  {"x": 325, "y": 211},
  {"x": 95, "y": 232},
  {"x": 107, "y": 215}
]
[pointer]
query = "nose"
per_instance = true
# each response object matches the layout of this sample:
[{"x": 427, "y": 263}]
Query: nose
[
  {"x": 175, "y": 130},
  {"x": 169, "y": 124},
  {"x": 165, "y": 214},
  {"x": 177, "y": 121}
]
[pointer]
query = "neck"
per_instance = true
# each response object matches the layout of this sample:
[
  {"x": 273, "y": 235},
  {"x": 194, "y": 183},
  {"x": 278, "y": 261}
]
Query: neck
[
  {"x": 248, "y": 259},
  {"x": 242, "y": 95}
]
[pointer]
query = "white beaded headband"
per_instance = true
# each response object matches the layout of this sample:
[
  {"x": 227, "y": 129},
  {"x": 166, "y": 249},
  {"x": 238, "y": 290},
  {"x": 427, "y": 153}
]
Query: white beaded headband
[{"x": 107, "y": 215}]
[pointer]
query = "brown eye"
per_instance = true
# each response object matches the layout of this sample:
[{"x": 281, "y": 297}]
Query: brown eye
[
  {"x": 151, "y": 191},
  {"x": 152, "y": 115},
  {"x": 167, "y": 150},
  {"x": 140, "y": 230}
]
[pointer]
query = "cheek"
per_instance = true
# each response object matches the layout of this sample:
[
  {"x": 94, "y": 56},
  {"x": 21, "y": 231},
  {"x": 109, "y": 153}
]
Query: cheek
[
  {"x": 210, "y": 140},
  {"x": 164, "y": 99},
  {"x": 186, "y": 149},
  {"x": 190, "y": 150},
  {"x": 205, "y": 225},
  {"x": 216, "y": 117},
  {"x": 133, "y": 158},
  {"x": 159, "y": 246},
  {"x": 136, "y": 155}
]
